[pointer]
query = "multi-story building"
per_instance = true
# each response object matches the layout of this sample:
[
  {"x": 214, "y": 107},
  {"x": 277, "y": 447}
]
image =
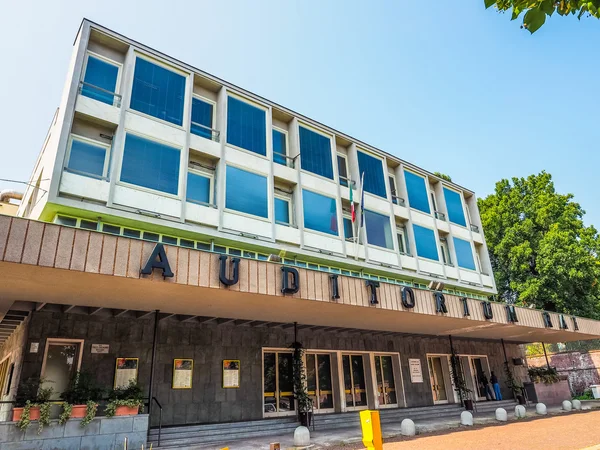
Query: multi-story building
[{"x": 251, "y": 204}]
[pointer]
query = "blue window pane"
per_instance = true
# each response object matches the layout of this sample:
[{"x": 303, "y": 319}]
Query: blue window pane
[
  {"x": 464, "y": 254},
  {"x": 202, "y": 114},
  {"x": 103, "y": 75},
  {"x": 379, "y": 231},
  {"x": 320, "y": 213},
  {"x": 246, "y": 126},
  {"x": 150, "y": 164},
  {"x": 198, "y": 188},
  {"x": 279, "y": 148},
  {"x": 246, "y": 192},
  {"x": 158, "y": 92},
  {"x": 456, "y": 213},
  {"x": 373, "y": 170},
  {"x": 348, "y": 226},
  {"x": 282, "y": 211},
  {"x": 425, "y": 241},
  {"x": 315, "y": 153},
  {"x": 87, "y": 158},
  {"x": 417, "y": 192}
]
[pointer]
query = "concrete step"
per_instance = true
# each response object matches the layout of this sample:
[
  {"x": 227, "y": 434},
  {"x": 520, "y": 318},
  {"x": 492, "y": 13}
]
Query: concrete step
[{"x": 225, "y": 426}]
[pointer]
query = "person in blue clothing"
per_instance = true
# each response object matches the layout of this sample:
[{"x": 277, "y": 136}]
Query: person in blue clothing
[{"x": 496, "y": 385}]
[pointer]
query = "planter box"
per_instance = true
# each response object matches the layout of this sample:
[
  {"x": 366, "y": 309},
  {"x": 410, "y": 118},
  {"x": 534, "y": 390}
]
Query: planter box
[
  {"x": 126, "y": 411},
  {"x": 78, "y": 411},
  {"x": 34, "y": 413},
  {"x": 553, "y": 394}
]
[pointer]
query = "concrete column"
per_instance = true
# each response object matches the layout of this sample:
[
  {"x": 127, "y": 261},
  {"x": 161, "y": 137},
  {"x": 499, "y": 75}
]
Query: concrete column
[{"x": 221, "y": 167}]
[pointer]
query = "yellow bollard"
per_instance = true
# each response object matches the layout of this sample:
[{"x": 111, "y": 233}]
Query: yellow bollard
[{"x": 371, "y": 430}]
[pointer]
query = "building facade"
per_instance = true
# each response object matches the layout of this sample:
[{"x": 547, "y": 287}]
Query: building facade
[{"x": 183, "y": 227}]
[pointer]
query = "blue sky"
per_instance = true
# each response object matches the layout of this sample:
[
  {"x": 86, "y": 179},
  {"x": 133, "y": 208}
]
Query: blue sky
[{"x": 453, "y": 88}]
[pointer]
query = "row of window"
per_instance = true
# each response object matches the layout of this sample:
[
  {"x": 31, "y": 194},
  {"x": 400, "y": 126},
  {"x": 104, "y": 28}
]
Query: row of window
[
  {"x": 235, "y": 251},
  {"x": 159, "y": 92},
  {"x": 153, "y": 165}
]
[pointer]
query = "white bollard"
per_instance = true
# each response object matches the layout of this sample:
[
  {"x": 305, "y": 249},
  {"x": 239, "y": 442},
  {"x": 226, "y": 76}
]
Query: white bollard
[
  {"x": 567, "y": 405},
  {"x": 540, "y": 409},
  {"x": 466, "y": 418},
  {"x": 520, "y": 411},
  {"x": 407, "y": 428},
  {"x": 576, "y": 404},
  {"x": 501, "y": 415},
  {"x": 301, "y": 437}
]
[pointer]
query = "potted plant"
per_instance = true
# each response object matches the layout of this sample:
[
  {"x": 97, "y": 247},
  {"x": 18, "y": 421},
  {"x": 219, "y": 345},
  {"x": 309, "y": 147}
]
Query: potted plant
[
  {"x": 514, "y": 385},
  {"x": 124, "y": 401},
  {"x": 304, "y": 403},
  {"x": 81, "y": 398},
  {"x": 35, "y": 407}
]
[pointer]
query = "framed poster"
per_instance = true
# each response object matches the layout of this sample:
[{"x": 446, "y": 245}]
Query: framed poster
[
  {"x": 416, "y": 374},
  {"x": 231, "y": 373},
  {"x": 182, "y": 373},
  {"x": 126, "y": 370}
]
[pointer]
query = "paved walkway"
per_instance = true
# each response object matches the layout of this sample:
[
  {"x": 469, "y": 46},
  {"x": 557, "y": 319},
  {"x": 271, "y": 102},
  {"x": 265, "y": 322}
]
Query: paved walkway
[{"x": 525, "y": 434}]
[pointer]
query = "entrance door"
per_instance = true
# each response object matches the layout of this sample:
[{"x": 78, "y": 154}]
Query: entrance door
[
  {"x": 436, "y": 377},
  {"x": 278, "y": 387},
  {"x": 354, "y": 382},
  {"x": 61, "y": 362},
  {"x": 479, "y": 371},
  {"x": 386, "y": 387},
  {"x": 318, "y": 381}
]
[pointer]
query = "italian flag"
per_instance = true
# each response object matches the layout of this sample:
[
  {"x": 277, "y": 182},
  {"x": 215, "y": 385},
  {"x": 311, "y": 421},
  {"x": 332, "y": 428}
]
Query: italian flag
[{"x": 352, "y": 210}]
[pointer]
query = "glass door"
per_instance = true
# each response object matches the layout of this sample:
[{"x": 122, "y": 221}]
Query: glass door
[
  {"x": 61, "y": 362},
  {"x": 478, "y": 371},
  {"x": 436, "y": 378},
  {"x": 278, "y": 387},
  {"x": 386, "y": 387},
  {"x": 354, "y": 382},
  {"x": 318, "y": 381}
]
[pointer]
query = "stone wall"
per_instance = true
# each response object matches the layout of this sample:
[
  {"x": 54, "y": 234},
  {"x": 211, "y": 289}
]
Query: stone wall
[
  {"x": 100, "y": 434},
  {"x": 582, "y": 368},
  {"x": 208, "y": 344},
  {"x": 13, "y": 346}
]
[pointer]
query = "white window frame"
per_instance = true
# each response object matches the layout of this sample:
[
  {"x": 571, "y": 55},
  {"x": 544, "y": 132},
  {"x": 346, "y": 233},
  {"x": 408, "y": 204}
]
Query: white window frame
[
  {"x": 337, "y": 212},
  {"x": 287, "y": 145},
  {"x": 77, "y": 137},
  {"x": 288, "y": 198},
  {"x": 204, "y": 172},
  {"x": 445, "y": 251},
  {"x": 394, "y": 188},
  {"x": 118, "y": 65},
  {"x": 401, "y": 230},
  {"x": 267, "y": 138},
  {"x": 345, "y": 157},
  {"x": 433, "y": 199},
  {"x": 352, "y": 238},
  {"x": 214, "y": 111},
  {"x": 256, "y": 172},
  {"x": 332, "y": 151},
  {"x": 54, "y": 341}
]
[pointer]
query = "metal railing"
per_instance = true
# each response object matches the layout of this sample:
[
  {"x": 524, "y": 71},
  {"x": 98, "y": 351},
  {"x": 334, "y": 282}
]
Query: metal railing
[
  {"x": 398, "y": 200},
  {"x": 347, "y": 181},
  {"x": 440, "y": 215},
  {"x": 206, "y": 132},
  {"x": 100, "y": 94},
  {"x": 474, "y": 228},
  {"x": 285, "y": 160}
]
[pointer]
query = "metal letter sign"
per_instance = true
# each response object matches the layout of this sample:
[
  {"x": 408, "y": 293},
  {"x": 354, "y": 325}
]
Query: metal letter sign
[
  {"x": 440, "y": 303},
  {"x": 487, "y": 310},
  {"x": 511, "y": 313},
  {"x": 465, "y": 303},
  {"x": 158, "y": 260},
  {"x": 373, "y": 285},
  {"x": 286, "y": 288},
  {"x": 223, "y": 275},
  {"x": 335, "y": 291},
  {"x": 408, "y": 297}
]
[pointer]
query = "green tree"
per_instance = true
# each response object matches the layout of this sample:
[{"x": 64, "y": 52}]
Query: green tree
[
  {"x": 537, "y": 10},
  {"x": 443, "y": 176},
  {"x": 541, "y": 252}
]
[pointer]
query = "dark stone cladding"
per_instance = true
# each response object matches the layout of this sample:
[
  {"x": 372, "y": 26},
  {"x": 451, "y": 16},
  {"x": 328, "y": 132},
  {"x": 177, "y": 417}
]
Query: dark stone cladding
[{"x": 208, "y": 344}]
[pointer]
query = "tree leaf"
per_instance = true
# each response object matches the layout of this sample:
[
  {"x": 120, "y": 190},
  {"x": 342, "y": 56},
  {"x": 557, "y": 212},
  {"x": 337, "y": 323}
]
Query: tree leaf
[
  {"x": 534, "y": 19},
  {"x": 489, "y": 3}
]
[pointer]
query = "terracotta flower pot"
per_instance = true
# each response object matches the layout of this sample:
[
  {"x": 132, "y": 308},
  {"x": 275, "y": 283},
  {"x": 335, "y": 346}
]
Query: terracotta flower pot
[
  {"x": 78, "y": 411},
  {"x": 34, "y": 413},
  {"x": 126, "y": 410}
]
